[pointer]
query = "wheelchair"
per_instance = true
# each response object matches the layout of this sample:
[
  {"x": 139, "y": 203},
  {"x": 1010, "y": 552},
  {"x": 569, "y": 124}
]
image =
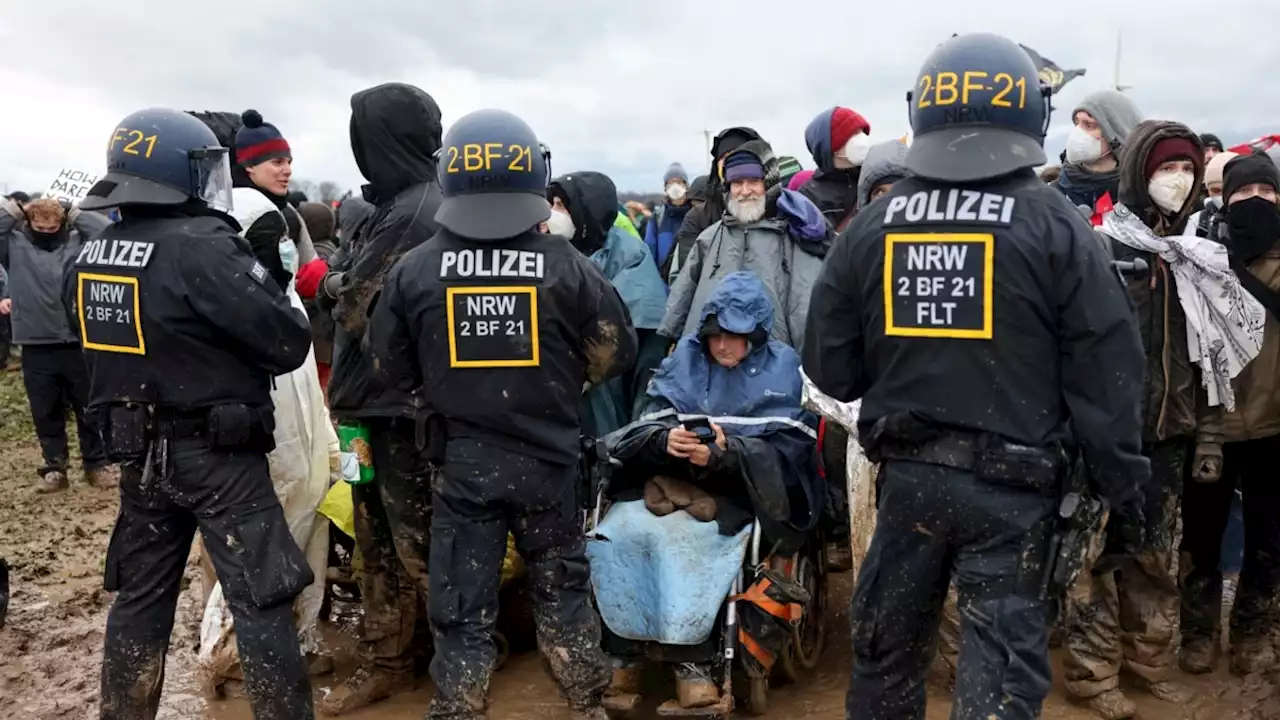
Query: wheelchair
[{"x": 765, "y": 626}]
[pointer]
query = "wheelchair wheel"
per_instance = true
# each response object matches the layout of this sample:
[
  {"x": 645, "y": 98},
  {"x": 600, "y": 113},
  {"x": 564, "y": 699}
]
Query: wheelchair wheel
[{"x": 803, "y": 649}]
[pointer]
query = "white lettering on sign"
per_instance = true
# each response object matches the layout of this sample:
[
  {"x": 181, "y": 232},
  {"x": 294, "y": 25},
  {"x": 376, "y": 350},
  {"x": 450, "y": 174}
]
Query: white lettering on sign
[
  {"x": 494, "y": 263},
  {"x": 939, "y": 285},
  {"x": 116, "y": 253},
  {"x": 950, "y": 205},
  {"x": 71, "y": 185}
]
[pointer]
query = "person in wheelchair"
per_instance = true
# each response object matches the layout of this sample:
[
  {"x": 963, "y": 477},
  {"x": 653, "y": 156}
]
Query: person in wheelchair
[{"x": 722, "y": 437}]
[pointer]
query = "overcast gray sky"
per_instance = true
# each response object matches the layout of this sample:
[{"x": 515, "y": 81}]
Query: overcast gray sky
[{"x": 623, "y": 88}]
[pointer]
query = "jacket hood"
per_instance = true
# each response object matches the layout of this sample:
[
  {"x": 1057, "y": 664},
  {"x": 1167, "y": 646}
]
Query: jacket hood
[
  {"x": 395, "y": 133},
  {"x": 886, "y": 160},
  {"x": 593, "y": 204},
  {"x": 1133, "y": 179},
  {"x": 817, "y": 137},
  {"x": 1115, "y": 112},
  {"x": 352, "y": 212},
  {"x": 224, "y": 125},
  {"x": 741, "y": 305},
  {"x": 698, "y": 188},
  {"x": 730, "y": 139}
]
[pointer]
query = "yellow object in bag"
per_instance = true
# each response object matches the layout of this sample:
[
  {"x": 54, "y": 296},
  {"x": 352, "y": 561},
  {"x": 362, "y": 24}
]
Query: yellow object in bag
[{"x": 339, "y": 508}]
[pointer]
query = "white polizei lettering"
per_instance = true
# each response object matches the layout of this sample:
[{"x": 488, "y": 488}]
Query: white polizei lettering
[
  {"x": 953, "y": 195},
  {"x": 953, "y": 256},
  {"x": 935, "y": 215},
  {"x": 146, "y": 256},
  {"x": 966, "y": 210},
  {"x": 466, "y": 263},
  {"x": 481, "y": 270},
  {"x": 528, "y": 264},
  {"x": 916, "y": 206},
  {"x": 990, "y": 207},
  {"x": 1006, "y": 214},
  {"x": 118, "y": 249},
  {"x": 95, "y": 251},
  {"x": 448, "y": 259},
  {"x": 84, "y": 250},
  {"x": 896, "y": 205},
  {"x": 541, "y": 260},
  {"x": 509, "y": 258}
]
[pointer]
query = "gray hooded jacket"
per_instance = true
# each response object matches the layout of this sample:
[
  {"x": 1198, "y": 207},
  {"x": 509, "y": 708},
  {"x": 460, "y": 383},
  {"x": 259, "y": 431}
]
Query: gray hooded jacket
[{"x": 884, "y": 162}]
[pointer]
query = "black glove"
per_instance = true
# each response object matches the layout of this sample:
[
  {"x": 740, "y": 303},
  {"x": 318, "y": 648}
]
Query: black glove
[{"x": 1125, "y": 535}]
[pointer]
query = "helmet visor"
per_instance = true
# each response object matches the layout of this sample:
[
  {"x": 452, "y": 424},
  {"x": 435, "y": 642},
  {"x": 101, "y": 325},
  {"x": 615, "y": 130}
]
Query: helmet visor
[{"x": 211, "y": 177}]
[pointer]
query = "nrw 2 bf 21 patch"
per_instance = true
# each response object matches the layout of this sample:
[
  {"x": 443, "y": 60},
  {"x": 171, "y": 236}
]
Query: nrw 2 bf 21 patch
[
  {"x": 939, "y": 285},
  {"x": 110, "y": 317},
  {"x": 493, "y": 327}
]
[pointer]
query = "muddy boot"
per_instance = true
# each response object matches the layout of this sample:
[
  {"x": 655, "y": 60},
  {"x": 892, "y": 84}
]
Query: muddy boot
[
  {"x": 366, "y": 686},
  {"x": 1198, "y": 656},
  {"x": 694, "y": 688},
  {"x": 103, "y": 478},
  {"x": 1112, "y": 705},
  {"x": 52, "y": 482},
  {"x": 623, "y": 693},
  {"x": 1252, "y": 655},
  {"x": 1171, "y": 692}
]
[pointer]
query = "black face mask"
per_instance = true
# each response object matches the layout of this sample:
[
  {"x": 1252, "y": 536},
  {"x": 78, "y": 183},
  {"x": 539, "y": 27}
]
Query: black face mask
[{"x": 1254, "y": 226}]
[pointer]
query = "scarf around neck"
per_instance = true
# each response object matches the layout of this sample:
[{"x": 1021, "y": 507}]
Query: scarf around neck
[{"x": 1224, "y": 323}]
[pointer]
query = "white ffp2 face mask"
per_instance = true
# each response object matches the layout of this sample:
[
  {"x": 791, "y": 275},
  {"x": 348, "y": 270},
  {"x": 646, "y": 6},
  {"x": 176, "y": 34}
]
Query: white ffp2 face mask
[
  {"x": 561, "y": 224},
  {"x": 1083, "y": 147},
  {"x": 856, "y": 149},
  {"x": 1170, "y": 190},
  {"x": 676, "y": 192},
  {"x": 289, "y": 256}
]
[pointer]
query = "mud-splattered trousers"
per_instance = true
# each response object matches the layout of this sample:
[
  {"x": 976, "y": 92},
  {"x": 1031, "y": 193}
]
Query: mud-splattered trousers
[
  {"x": 56, "y": 377},
  {"x": 1128, "y": 616},
  {"x": 228, "y": 497},
  {"x": 482, "y": 493},
  {"x": 393, "y": 533},
  {"x": 934, "y": 524},
  {"x": 1250, "y": 466}
]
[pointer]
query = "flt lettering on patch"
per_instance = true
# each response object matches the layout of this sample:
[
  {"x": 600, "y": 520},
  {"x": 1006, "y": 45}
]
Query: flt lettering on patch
[
  {"x": 939, "y": 285},
  {"x": 110, "y": 314},
  {"x": 493, "y": 327}
]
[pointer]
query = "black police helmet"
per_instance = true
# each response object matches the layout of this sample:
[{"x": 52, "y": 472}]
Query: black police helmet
[
  {"x": 162, "y": 157},
  {"x": 493, "y": 174},
  {"x": 978, "y": 111}
]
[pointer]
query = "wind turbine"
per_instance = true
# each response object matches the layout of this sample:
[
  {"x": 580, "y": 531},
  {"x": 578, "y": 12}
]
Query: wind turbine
[{"x": 1119, "y": 47}]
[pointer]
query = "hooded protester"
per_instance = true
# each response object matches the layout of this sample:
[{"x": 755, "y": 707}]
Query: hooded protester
[
  {"x": 1251, "y": 189},
  {"x": 395, "y": 134},
  {"x": 1198, "y": 330},
  {"x": 1211, "y": 144},
  {"x": 582, "y": 207},
  {"x": 264, "y": 155},
  {"x": 884, "y": 165},
  {"x": 838, "y": 139},
  {"x": 698, "y": 191},
  {"x": 306, "y": 448},
  {"x": 1202, "y": 220},
  {"x": 321, "y": 224},
  {"x": 37, "y": 241},
  {"x": 776, "y": 233},
  {"x": 660, "y": 230},
  {"x": 701, "y": 218},
  {"x": 761, "y": 464},
  {"x": 1091, "y": 168}
]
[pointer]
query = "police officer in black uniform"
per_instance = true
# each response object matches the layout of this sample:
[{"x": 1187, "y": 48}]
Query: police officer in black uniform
[
  {"x": 978, "y": 318},
  {"x": 502, "y": 326},
  {"x": 183, "y": 331}
]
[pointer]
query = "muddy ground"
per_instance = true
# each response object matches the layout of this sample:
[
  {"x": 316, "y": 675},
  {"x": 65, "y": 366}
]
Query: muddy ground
[{"x": 51, "y": 647}]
